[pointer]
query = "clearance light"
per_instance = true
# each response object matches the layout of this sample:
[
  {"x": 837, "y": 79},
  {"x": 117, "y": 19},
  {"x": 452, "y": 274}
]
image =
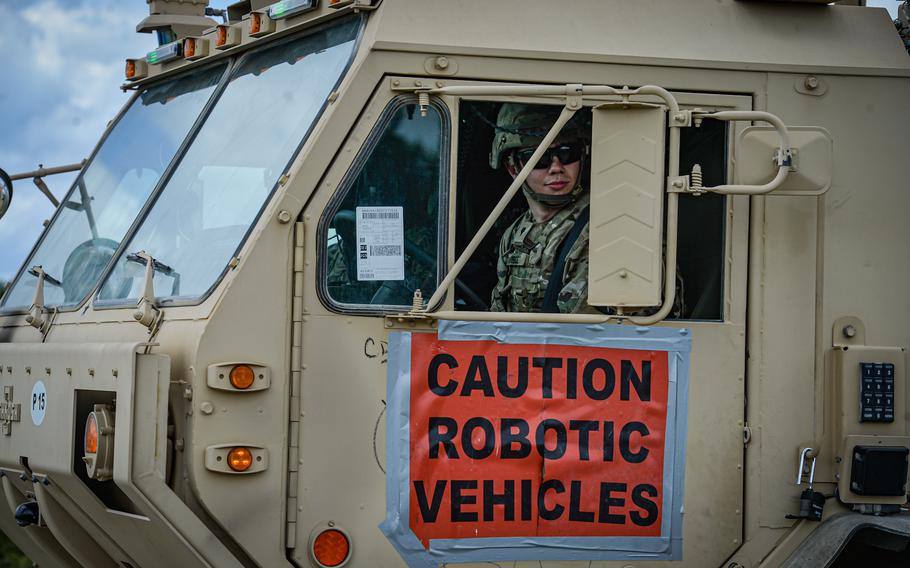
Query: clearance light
[
  {"x": 165, "y": 53},
  {"x": 288, "y": 8},
  {"x": 331, "y": 548},
  {"x": 235, "y": 458},
  {"x": 242, "y": 377},
  {"x": 98, "y": 444},
  {"x": 238, "y": 376},
  {"x": 240, "y": 459},
  {"x": 195, "y": 48},
  {"x": 261, "y": 24},
  {"x": 226, "y": 36},
  {"x": 136, "y": 69}
]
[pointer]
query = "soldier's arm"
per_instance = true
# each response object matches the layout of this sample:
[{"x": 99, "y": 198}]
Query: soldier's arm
[
  {"x": 500, "y": 291},
  {"x": 573, "y": 297}
]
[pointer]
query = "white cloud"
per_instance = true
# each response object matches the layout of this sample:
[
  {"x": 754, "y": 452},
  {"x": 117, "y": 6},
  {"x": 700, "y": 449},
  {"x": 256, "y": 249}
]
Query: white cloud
[{"x": 63, "y": 66}]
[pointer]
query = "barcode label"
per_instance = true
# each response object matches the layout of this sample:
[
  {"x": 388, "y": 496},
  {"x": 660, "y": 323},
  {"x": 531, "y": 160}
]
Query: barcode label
[
  {"x": 380, "y": 243},
  {"x": 381, "y": 214},
  {"x": 385, "y": 250}
]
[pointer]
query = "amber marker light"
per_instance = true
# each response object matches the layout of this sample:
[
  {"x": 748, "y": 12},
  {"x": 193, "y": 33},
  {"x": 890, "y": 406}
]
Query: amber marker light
[
  {"x": 242, "y": 377},
  {"x": 135, "y": 69},
  {"x": 255, "y": 23},
  {"x": 189, "y": 47},
  {"x": 221, "y": 36},
  {"x": 331, "y": 548},
  {"x": 91, "y": 434},
  {"x": 240, "y": 459}
]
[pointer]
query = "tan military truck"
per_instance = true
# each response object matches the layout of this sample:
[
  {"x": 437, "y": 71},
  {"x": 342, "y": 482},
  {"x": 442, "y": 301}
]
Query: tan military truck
[{"x": 256, "y": 331}]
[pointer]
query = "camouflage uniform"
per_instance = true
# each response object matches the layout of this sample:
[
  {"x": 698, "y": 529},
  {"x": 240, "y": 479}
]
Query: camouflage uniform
[{"x": 527, "y": 253}]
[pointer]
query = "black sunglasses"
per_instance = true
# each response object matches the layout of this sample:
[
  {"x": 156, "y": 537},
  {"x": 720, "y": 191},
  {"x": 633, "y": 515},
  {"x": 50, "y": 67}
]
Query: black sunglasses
[{"x": 567, "y": 153}]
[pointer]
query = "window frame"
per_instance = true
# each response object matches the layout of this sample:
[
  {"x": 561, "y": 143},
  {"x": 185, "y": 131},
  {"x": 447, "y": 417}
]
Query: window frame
[
  {"x": 352, "y": 172},
  {"x": 235, "y": 63},
  {"x": 732, "y": 222},
  {"x": 181, "y": 148}
]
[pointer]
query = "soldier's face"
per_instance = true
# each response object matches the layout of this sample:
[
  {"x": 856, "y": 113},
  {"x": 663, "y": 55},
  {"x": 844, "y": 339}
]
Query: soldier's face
[{"x": 557, "y": 177}]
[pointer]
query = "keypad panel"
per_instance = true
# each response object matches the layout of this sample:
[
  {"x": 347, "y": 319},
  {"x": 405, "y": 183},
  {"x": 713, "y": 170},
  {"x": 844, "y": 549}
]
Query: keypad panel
[{"x": 876, "y": 392}]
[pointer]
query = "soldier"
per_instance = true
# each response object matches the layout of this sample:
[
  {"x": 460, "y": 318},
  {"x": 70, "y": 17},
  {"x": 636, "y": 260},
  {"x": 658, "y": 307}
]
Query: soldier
[{"x": 543, "y": 255}]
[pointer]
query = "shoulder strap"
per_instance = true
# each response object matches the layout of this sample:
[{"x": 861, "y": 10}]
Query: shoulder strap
[{"x": 555, "y": 283}]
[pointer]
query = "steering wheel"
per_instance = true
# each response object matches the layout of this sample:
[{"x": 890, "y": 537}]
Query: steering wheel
[{"x": 84, "y": 265}]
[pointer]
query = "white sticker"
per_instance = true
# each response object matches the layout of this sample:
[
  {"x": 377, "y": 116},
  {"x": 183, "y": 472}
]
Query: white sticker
[
  {"x": 380, "y": 243},
  {"x": 39, "y": 403}
]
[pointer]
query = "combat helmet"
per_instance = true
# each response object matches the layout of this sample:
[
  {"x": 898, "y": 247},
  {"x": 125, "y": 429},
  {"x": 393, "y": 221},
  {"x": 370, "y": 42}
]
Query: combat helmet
[{"x": 521, "y": 125}]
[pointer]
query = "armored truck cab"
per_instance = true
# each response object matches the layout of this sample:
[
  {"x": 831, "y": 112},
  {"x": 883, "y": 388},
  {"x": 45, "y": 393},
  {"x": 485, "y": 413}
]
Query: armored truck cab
[{"x": 256, "y": 331}]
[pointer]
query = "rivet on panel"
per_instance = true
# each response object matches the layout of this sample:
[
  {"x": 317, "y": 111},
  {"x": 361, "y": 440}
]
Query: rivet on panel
[
  {"x": 284, "y": 217},
  {"x": 418, "y": 84},
  {"x": 396, "y": 82},
  {"x": 206, "y": 407},
  {"x": 811, "y": 82}
]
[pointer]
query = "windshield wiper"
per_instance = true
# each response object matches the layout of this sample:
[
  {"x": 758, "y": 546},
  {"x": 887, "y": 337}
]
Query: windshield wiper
[
  {"x": 142, "y": 257},
  {"x": 37, "y": 271},
  {"x": 147, "y": 312}
]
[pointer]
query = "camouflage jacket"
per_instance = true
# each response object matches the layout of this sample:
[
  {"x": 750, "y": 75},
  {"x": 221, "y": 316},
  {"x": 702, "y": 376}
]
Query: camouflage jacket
[{"x": 527, "y": 255}]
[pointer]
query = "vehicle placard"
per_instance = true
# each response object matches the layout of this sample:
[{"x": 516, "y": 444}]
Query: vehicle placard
[
  {"x": 536, "y": 442},
  {"x": 38, "y": 403},
  {"x": 380, "y": 243}
]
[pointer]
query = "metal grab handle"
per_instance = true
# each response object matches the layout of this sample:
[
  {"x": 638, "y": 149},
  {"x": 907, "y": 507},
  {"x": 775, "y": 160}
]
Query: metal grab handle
[{"x": 783, "y": 157}]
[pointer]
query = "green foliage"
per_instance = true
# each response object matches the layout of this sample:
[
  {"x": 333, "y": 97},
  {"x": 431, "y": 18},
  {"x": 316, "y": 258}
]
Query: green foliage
[{"x": 10, "y": 556}]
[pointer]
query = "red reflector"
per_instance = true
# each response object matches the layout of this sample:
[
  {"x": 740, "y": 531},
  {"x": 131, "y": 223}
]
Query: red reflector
[{"x": 331, "y": 548}]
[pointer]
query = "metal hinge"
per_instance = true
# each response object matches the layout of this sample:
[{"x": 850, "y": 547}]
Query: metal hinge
[{"x": 294, "y": 403}]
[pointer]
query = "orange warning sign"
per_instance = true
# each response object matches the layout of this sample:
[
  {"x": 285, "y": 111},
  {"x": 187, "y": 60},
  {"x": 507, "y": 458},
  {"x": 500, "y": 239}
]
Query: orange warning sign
[{"x": 512, "y": 440}]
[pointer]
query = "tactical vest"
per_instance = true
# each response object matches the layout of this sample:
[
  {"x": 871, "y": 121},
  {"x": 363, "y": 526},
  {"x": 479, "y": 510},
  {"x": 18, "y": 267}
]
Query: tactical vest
[{"x": 527, "y": 254}]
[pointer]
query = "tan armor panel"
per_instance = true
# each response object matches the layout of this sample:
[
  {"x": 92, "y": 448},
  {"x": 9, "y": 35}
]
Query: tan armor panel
[{"x": 627, "y": 177}]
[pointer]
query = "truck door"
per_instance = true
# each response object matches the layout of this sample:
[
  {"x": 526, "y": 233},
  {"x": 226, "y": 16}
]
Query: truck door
[{"x": 389, "y": 217}]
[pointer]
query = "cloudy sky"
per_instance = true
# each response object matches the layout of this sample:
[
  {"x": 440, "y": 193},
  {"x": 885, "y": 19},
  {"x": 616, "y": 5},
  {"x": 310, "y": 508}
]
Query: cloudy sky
[
  {"x": 61, "y": 63},
  {"x": 61, "y": 66}
]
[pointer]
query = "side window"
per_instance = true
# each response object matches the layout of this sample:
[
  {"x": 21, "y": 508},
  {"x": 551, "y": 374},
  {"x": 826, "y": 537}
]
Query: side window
[
  {"x": 512, "y": 269},
  {"x": 383, "y": 231}
]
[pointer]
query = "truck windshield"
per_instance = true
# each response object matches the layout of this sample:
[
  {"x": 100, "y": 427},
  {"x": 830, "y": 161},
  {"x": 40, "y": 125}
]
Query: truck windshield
[
  {"x": 205, "y": 209},
  {"x": 104, "y": 201}
]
